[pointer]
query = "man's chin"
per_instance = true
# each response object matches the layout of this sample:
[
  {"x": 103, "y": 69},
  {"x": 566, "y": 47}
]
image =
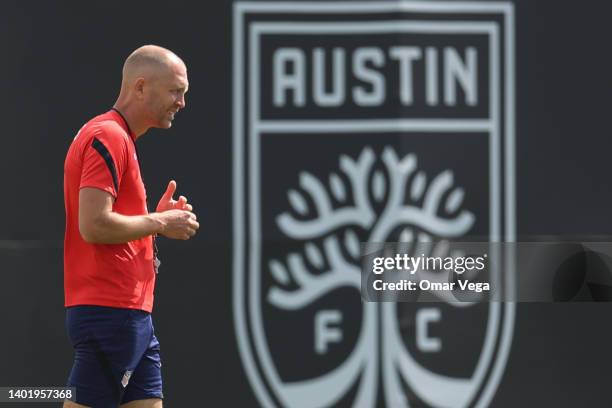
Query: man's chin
[{"x": 166, "y": 124}]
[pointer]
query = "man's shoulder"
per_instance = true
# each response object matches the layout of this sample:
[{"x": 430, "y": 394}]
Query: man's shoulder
[{"x": 106, "y": 128}]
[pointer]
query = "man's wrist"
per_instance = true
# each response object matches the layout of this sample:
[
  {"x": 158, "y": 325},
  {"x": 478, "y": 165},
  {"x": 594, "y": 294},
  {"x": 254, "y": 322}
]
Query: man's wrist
[{"x": 158, "y": 224}]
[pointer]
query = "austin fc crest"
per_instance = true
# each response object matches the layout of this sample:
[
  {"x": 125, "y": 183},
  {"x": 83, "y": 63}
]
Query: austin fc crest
[{"x": 360, "y": 122}]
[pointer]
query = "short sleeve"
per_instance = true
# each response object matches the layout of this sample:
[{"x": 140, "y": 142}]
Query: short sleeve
[{"x": 105, "y": 161}]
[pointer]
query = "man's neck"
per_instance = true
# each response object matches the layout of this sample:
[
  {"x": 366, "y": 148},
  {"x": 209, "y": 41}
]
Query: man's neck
[{"x": 133, "y": 120}]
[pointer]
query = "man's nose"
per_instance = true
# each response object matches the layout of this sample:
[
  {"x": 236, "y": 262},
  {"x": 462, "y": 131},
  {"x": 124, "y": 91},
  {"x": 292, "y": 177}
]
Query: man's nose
[{"x": 181, "y": 102}]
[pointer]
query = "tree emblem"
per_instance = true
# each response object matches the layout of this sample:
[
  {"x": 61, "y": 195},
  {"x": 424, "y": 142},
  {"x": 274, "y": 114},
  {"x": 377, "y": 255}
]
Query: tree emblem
[{"x": 369, "y": 199}]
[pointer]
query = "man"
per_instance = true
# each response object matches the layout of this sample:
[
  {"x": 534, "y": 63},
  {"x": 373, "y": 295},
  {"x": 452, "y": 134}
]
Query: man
[{"x": 110, "y": 261}]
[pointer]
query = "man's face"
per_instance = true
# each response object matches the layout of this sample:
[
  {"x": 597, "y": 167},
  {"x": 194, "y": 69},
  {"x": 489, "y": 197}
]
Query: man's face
[{"x": 167, "y": 95}]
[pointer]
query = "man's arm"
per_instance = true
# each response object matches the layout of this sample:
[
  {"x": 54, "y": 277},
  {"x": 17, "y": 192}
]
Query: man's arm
[{"x": 100, "y": 225}]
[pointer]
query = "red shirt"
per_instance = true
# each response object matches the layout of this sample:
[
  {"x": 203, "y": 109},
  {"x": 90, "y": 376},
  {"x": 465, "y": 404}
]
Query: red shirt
[{"x": 103, "y": 155}]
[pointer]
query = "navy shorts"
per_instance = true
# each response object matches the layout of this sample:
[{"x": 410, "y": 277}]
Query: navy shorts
[{"x": 116, "y": 358}]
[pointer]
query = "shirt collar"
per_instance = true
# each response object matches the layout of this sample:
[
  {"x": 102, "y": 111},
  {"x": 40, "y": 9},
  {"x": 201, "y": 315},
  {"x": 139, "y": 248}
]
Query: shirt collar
[{"x": 125, "y": 123}]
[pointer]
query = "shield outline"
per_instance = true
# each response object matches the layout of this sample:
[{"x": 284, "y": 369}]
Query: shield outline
[{"x": 242, "y": 244}]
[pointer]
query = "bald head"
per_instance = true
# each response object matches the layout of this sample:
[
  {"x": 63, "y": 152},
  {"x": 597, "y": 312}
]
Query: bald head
[
  {"x": 149, "y": 62},
  {"x": 153, "y": 86}
]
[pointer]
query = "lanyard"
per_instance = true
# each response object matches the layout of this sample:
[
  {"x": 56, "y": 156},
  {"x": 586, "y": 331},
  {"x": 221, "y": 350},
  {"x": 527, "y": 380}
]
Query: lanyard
[{"x": 156, "y": 261}]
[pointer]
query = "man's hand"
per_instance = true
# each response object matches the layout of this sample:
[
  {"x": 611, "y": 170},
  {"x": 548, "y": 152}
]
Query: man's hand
[
  {"x": 175, "y": 216},
  {"x": 167, "y": 203},
  {"x": 177, "y": 224}
]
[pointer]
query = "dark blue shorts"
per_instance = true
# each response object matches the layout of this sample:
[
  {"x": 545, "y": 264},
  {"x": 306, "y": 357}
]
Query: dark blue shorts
[{"x": 116, "y": 358}]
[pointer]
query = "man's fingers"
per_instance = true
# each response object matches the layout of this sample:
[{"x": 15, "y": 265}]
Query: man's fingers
[
  {"x": 188, "y": 207},
  {"x": 182, "y": 201},
  {"x": 169, "y": 191},
  {"x": 182, "y": 224},
  {"x": 192, "y": 223},
  {"x": 189, "y": 233}
]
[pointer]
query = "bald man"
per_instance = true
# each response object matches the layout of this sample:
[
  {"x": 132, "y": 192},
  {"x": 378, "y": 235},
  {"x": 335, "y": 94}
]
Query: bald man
[{"x": 110, "y": 257}]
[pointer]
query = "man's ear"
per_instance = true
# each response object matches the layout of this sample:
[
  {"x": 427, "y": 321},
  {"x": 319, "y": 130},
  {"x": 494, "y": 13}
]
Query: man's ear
[{"x": 139, "y": 85}]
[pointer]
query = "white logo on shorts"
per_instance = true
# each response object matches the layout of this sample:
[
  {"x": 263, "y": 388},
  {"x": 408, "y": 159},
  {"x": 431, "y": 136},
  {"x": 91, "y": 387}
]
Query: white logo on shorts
[{"x": 126, "y": 378}]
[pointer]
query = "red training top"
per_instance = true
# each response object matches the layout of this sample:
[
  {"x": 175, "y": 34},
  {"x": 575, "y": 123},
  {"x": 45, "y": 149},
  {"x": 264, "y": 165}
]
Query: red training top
[{"x": 103, "y": 155}]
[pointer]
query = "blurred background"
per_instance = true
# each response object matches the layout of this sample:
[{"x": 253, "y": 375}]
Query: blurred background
[{"x": 299, "y": 119}]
